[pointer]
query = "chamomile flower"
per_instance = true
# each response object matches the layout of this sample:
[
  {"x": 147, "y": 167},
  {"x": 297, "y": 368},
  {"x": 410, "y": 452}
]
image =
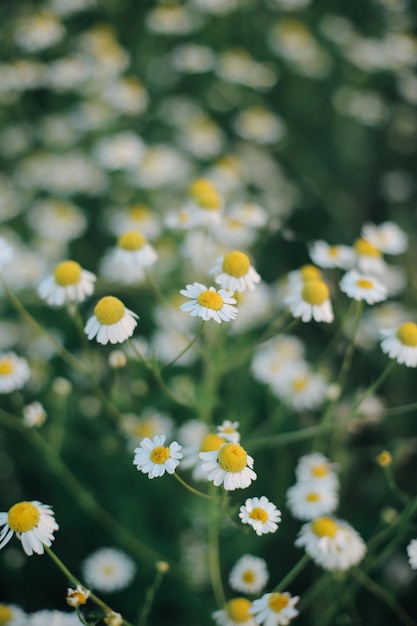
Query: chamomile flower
[
  {"x": 234, "y": 272},
  {"x": 261, "y": 514},
  {"x": 206, "y": 203},
  {"x": 368, "y": 258},
  {"x": 32, "y": 522},
  {"x": 311, "y": 301},
  {"x": 149, "y": 424},
  {"x": 331, "y": 543},
  {"x": 78, "y": 596},
  {"x": 34, "y": 415},
  {"x": 249, "y": 574},
  {"x": 363, "y": 287},
  {"x": 317, "y": 467},
  {"x": 208, "y": 303},
  {"x": 108, "y": 569},
  {"x": 234, "y": 613},
  {"x": 275, "y": 609},
  {"x": 111, "y": 321},
  {"x": 412, "y": 553},
  {"x": 128, "y": 261},
  {"x": 299, "y": 387},
  {"x": 196, "y": 437},
  {"x": 325, "y": 255},
  {"x": 387, "y": 237},
  {"x": 230, "y": 466},
  {"x": 12, "y": 615},
  {"x": 68, "y": 283},
  {"x": 154, "y": 459},
  {"x": 14, "y": 372},
  {"x": 228, "y": 430},
  {"x": 400, "y": 343},
  {"x": 307, "y": 500}
]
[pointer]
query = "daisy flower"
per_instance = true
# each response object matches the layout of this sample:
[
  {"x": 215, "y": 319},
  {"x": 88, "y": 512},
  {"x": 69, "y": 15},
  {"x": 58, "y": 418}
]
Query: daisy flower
[
  {"x": 14, "y": 372},
  {"x": 261, "y": 514},
  {"x": 209, "y": 303},
  {"x": 331, "y": 543},
  {"x": 111, "y": 321},
  {"x": 34, "y": 415},
  {"x": 228, "y": 430},
  {"x": 78, "y": 596},
  {"x": 317, "y": 467},
  {"x": 387, "y": 237},
  {"x": 154, "y": 459},
  {"x": 234, "y": 272},
  {"x": 149, "y": 424},
  {"x": 274, "y": 609},
  {"x": 311, "y": 300},
  {"x": 326, "y": 256},
  {"x": 230, "y": 465},
  {"x": 363, "y": 287},
  {"x": 400, "y": 343},
  {"x": 412, "y": 553},
  {"x": 307, "y": 500},
  {"x": 32, "y": 522},
  {"x": 235, "y": 613},
  {"x": 68, "y": 283},
  {"x": 206, "y": 202},
  {"x": 368, "y": 257},
  {"x": 128, "y": 261},
  {"x": 12, "y": 615},
  {"x": 299, "y": 387},
  {"x": 304, "y": 274},
  {"x": 249, "y": 574},
  {"x": 108, "y": 569}
]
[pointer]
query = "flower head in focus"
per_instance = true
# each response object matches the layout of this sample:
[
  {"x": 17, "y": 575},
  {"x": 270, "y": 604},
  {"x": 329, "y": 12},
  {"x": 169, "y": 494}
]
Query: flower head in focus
[
  {"x": 400, "y": 343},
  {"x": 209, "y": 303},
  {"x": 68, "y": 283},
  {"x": 154, "y": 459},
  {"x": 363, "y": 287},
  {"x": 234, "y": 272},
  {"x": 33, "y": 524},
  {"x": 230, "y": 466},
  {"x": 261, "y": 514},
  {"x": 112, "y": 321},
  {"x": 275, "y": 609}
]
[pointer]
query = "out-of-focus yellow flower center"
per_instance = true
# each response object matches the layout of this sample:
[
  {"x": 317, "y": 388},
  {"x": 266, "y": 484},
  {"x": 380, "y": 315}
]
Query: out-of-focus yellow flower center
[
  {"x": 210, "y": 300},
  {"x": 277, "y": 602},
  {"x": 6, "y": 614},
  {"x": 23, "y": 516},
  {"x": 236, "y": 264},
  {"x": 315, "y": 292},
  {"x": 212, "y": 442},
  {"x": 109, "y": 310},
  {"x": 324, "y": 527},
  {"x": 407, "y": 334},
  {"x": 205, "y": 194},
  {"x": 334, "y": 252},
  {"x": 145, "y": 429},
  {"x": 232, "y": 457},
  {"x": 108, "y": 569},
  {"x": 159, "y": 455},
  {"x": 313, "y": 496},
  {"x": 238, "y": 610},
  {"x": 384, "y": 458},
  {"x": 248, "y": 576},
  {"x": 310, "y": 272},
  {"x": 365, "y": 283},
  {"x": 299, "y": 383},
  {"x": 67, "y": 273},
  {"x": 139, "y": 212},
  {"x": 320, "y": 470},
  {"x": 364, "y": 248},
  {"x": 131, "y": 241},
  {"x": 259, "y": 514},
  {"x": 6, "y": 367}
]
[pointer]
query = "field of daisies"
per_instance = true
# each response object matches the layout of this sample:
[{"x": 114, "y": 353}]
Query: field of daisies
[{"x": 208, "y": 313}]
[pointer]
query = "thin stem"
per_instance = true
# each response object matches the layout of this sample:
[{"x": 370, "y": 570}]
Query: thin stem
[
  {"x": 187, "y": 347},
  {"x": 293, "y": 573},
  {"x": 291, "y": 437},
  {"x": 402, "y": 497},
  {"x": 214, "y": 556},
  {"x": 372, "y": 388},
  {"x": 150, "y": 597},
  {"x": 190, "y": 488},
  {"x": 347, "y": 361}
]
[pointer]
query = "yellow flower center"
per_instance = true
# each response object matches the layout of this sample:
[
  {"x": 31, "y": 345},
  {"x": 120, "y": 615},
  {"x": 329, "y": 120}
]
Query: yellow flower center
[
  {"x": 23, "y": 517},
  {"x": 324, "y": 527},
  {"x": 236, "y": 264},
  {"x": 364, "y": 283},
  {"x": 131, "y": 241},
  {"x": 259, "y": 515},
  {"x": 407, "y": 334},
  {"x": 365, "y": 248},
  {"x": 334, "y": 252},
  {"x": 313, "y": 496},
  {"x": 277, "y": 602},
  {"x": 310, "y": 272},
  {"x": 238, "y": 610},
  {"x": 108, "y": 569},
  {"x": 210, "y": 300},
  {"x": 139, "y": 212},
  {"x": 315, "y": 292},
  {"x": 384, "y": 458},
  {"x": 109, "y": 310},
  {"x": 159, "y": 455},
  {"x": 299, "y": 383},
  {"x": 212, "y": 442},
  {"x": 145, "y": 429},
  {"x": 232, "y": 457},
  {"x": 205, "y": 194},
  {"x": 6, "y": 614},
  {"x": 320, "y": 470},
  {"x": 6, "y": 367},
  {"x": 67, "y": 273},
  {"x": 248, "y": 576}
]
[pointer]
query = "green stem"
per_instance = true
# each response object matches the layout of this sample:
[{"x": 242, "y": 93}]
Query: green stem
[
  {"x": 190, "y": 488},
  {"x": 291, "y": 437},
  {"x": 402, "y": 497},
  {"x": 293, "y": 573},
  {"x": 214, "y": 556},
  {"x": 150, "y": 597},
  {"x": 372, "y": 388},
  {"x": 347, "y": 361},
  {"x": 192, "y": 342}
]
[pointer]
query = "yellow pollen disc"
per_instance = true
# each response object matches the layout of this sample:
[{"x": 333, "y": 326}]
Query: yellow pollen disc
[
  {"x": 363, "y": 283},
  {"x": 210, "y": 300},
  {"x": 236, "y": 264},
  {"x": 334, "y": 252},
  {"x": 67, "y": 273},
  {"x": 324, "y": 527},
  {"x": 232, "y": 457},
  {"x": 277, "y": 602},
  {"x": 238, "y": 610},
  {"x": 315, "y": 292},
  {"x": 109, "y": 310},
  {"x": 108, "y": 569},
  {"x": 248, "y": 576},
  {"x": 320, "y": 470},
  {"x": 299, "y": 383},
  {"x": 145, "y": 429},
  {"x": 5, "y": 614},
  {"x": 205, "y": 194},
  {"x": 259, "y": 514},
  {"x": 212, "y": 442},
  {"x": 139, "y": 212},
  {"x": 23, "y": 517},
  {"x": 313, "y": 496},
  {"x": 310, "y": 272},
  {"x": 159, "y": 455},
  {"x": 365, "y": 248},
  {"x": 407, "y": 334},
  {"x": 131, "y": 241},
  {"x": 6, "y": 367}
]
